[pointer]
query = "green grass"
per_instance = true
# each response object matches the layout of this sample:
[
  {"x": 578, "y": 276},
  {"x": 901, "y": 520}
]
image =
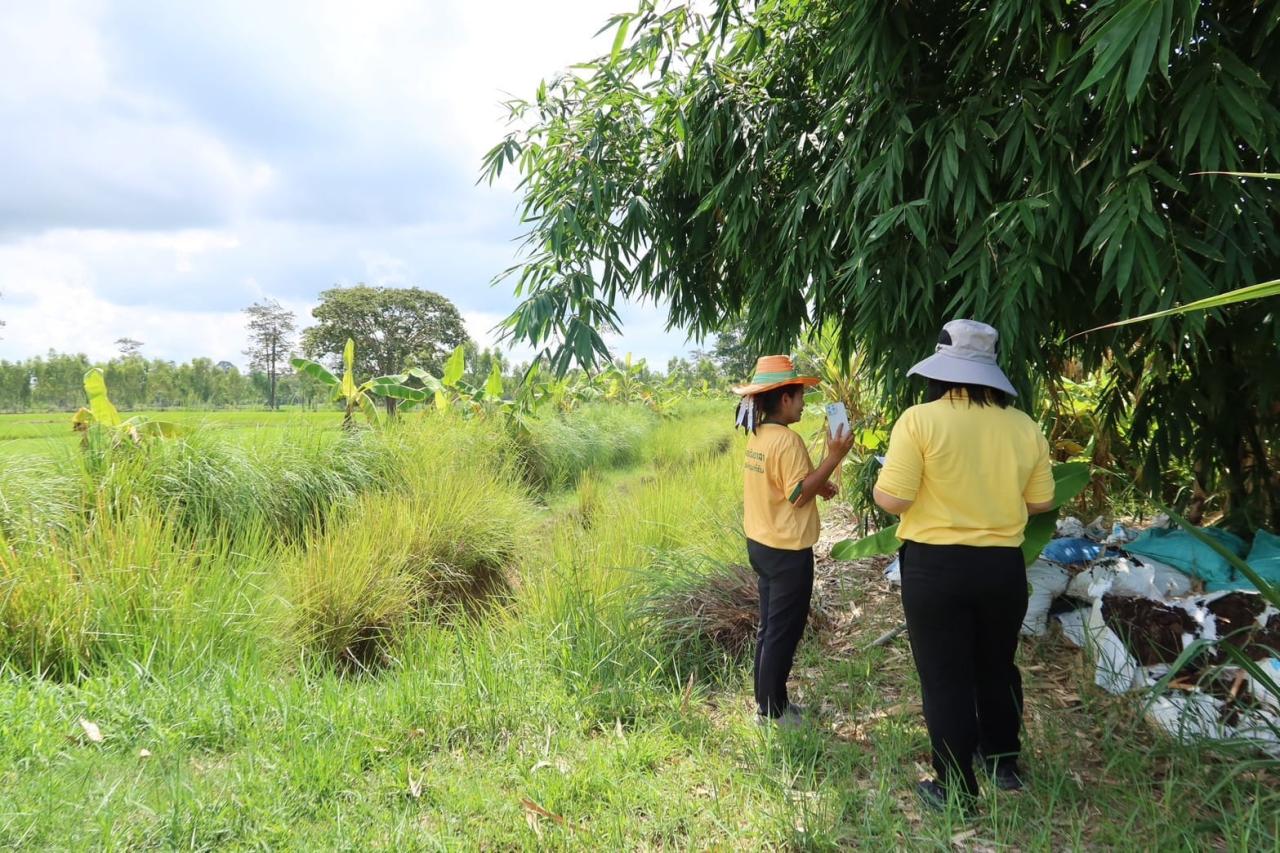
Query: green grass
[
  {"x": 224, "y": 664},
  {"x": 48, "y": 434}
]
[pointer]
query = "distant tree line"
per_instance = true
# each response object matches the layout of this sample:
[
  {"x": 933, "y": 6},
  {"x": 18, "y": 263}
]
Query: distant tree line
[
  {"x": 394, "y": 329},
  {"x": 55, "y": 381}
]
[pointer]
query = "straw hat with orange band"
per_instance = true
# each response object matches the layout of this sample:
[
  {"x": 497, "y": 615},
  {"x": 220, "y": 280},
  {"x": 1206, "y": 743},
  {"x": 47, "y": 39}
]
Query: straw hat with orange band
[{"x": 772, "y": 371}]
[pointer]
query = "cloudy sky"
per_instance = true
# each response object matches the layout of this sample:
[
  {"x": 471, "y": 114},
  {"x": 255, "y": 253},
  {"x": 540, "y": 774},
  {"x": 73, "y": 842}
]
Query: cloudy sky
[{"x": 165, "y": 164}]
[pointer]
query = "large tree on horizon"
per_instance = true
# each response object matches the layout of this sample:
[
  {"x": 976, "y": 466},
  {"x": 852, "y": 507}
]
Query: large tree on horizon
[
  {"x": 887, "y": 166},
  {"x": 394, "y": 328}
]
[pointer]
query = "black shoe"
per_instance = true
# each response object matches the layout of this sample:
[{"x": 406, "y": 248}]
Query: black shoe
[
  {"x": 932, "y": 795},
  {"x": 1004, "y": 772}
]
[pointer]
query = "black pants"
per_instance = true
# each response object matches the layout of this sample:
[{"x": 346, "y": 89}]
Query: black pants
[
  {"x": 785, "y": 581},
  {"x": 964, "y": 608}
]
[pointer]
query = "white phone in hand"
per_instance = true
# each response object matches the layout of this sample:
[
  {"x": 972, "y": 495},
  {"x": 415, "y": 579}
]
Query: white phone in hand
[{"x": 837, "y": 418}]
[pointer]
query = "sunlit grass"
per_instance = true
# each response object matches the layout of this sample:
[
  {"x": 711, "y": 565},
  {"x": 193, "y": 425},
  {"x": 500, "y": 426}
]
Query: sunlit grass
[{"x": 225, "y": 663}]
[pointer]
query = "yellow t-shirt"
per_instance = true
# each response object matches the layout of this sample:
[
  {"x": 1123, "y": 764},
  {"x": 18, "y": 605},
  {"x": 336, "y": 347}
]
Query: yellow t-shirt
[
  {"x": 777, "y": 463},
  {"x": 970, "y": 470}
]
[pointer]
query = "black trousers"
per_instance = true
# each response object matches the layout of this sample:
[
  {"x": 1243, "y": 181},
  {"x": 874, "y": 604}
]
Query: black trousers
[
  {"x": 964, "y": 608},
  {"x": 785, "y": 582}
]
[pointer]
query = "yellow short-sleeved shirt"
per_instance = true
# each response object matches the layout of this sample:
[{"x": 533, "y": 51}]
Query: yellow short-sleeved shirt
[
  {"x": 970, "y": 470},
  {"x": 777, "y": 463}
]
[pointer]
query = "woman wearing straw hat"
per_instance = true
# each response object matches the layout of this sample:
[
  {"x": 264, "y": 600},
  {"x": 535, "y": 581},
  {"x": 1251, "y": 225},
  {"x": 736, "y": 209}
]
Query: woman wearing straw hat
[
  {"x": 964, "y": 471},
  {"x": 781, "y": 520}
]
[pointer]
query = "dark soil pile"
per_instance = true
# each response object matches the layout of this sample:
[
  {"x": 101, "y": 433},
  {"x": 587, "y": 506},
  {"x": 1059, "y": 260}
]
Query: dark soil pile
[
  {"x": 1237, "y": 617},
  {"x": 1153, "y": 631}
]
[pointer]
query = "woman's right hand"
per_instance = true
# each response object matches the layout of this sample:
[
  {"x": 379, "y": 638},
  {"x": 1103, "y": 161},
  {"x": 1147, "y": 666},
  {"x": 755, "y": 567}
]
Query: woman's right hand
[{"x": 840, "y": 444}]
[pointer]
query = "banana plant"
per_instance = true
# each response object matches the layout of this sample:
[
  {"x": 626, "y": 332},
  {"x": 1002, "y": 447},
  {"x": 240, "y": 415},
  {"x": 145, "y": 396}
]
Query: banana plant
[
  {"x": 625, "y": 383},
  {"x": 360, "y": 397},
  {"x": 451, "y": 390},
  {"x": 102, "y": 416}
]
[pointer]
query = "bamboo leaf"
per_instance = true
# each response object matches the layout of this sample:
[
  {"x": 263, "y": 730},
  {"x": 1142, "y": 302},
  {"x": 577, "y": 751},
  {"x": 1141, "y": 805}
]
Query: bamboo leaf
[
  {"x": 619, "y": 39},
  {"x": 1243, "y": 294}
]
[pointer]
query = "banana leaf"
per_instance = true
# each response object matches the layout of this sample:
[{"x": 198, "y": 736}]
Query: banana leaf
[
  {"x": 95, "y": 386},
  {"x": 349, "y": 389},
  {"x": 154, "y": 429},
  {"x": 883, "y": 541},
  {"x": 316, "y": 371},
  {"x": 454, "y": 368},
  {"x": 394, "y": 390},
  {"x": 493, "y": 385}
]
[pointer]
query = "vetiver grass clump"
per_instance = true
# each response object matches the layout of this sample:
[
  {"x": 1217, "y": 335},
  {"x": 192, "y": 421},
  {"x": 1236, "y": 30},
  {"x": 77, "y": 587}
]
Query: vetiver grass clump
[
  {"x": 558, "y": 450},
  {"x": 129, "y": 588},
  {"x": 448, "y": 537},
  {"x": 218, "y": 482},
  {"x": 38, "y": 495}
]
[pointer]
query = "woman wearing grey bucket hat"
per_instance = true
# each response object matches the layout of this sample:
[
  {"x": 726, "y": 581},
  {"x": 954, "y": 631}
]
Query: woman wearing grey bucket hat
[{"x": 964, "y": 471}]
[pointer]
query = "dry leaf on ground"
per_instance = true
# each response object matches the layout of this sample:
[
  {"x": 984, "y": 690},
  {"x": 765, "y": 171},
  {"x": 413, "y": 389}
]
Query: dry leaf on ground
[{"x": 533, "y": 813}]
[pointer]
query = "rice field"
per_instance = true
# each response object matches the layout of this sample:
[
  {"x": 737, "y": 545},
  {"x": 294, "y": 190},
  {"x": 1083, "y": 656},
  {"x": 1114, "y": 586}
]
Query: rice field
[{"x": 49, "y": 434}]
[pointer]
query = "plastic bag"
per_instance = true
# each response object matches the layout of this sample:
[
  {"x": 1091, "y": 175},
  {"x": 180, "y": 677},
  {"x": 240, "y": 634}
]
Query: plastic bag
[
  {"x": 1074, "y": 625},
  {"x": 1072, "y": 551},
  {"x": 1070, "y": 527},
  {"x": 1047, "y": 582},
  {"x": 1186, "y": 553},
  {"x": 893, "y": 572},
  {"x": 1124, "y": 576},
  {"x": 1116, "y": 670}
]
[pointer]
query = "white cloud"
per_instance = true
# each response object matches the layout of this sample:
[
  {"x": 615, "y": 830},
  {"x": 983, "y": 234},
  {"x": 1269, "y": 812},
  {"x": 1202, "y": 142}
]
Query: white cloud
[{"x": 165, "y": 165}]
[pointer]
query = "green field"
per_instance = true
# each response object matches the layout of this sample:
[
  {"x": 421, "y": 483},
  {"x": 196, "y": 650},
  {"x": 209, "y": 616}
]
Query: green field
[
  {"x": 49, "y": 433},
  {"x": 445, "y": 637}
]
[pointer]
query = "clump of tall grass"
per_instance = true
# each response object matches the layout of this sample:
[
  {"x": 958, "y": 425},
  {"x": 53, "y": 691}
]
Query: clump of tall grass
[
  {"x": 446, "y": 539},
  {"x": 704, "y": 613},
  {"x": 37, "y": 497},
  {"x": 126, "y": 587},
  {"x": 580, "y": 601},
  {"x": 217, "y": 484},
  {"x": 559, "y": 449}
]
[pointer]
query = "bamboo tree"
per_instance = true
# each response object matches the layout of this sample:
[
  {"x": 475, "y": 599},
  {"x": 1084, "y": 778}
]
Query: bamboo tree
[{"x": 887, "y": 166}]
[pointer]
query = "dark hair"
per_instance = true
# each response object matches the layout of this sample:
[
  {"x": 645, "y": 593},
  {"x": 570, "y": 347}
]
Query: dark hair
[
  {"x": 767, "y": 401},
  {"x": 979, "y": 395}
]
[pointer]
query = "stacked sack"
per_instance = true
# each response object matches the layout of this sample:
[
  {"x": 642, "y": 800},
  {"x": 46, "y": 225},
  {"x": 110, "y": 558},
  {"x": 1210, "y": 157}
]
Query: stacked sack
[{"x": 1126, "y": 598}]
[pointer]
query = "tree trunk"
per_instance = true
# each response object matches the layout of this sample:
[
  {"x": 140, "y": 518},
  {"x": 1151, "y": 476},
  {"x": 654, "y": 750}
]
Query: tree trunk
[{"x": 271, "y": 376}]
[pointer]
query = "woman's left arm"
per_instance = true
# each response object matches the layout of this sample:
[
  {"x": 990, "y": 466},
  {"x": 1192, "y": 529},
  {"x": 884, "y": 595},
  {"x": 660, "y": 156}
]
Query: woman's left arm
[{"x": 890, "y": 504}]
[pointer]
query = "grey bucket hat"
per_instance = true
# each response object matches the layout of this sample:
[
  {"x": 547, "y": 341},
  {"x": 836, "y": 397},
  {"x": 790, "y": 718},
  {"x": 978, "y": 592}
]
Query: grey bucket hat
[{"x": 970, "y": 357}]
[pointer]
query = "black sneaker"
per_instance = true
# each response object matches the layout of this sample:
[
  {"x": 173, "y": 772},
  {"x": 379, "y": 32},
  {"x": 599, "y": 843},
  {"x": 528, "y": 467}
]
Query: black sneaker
[
  {"x": 932, "y": 795},
  {"x": 1004, "y": 772}
]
